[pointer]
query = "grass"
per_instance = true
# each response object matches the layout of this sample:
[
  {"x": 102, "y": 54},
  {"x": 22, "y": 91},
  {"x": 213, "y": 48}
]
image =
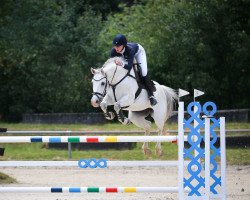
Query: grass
[
  {"x": 105, "y": 127},
  {"x": 78, "y": 127},
  {"x": 238, "y": 156},
  {"x": 39, "y": 151},
  {"x": 5, "y": 179}
]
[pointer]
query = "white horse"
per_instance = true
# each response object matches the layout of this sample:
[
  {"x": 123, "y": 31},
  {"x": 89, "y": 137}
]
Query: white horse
[{"x": 114, "y": 85}]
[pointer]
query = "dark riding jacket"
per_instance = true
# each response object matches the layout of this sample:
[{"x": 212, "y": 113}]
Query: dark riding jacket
[{"x": 130, "y": 50}]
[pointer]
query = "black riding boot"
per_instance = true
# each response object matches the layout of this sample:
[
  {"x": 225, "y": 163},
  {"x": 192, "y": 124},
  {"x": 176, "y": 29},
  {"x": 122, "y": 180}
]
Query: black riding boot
[{"x": 150, "y": 89}]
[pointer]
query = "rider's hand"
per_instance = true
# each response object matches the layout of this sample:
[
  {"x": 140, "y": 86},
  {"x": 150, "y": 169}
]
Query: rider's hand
[{"x": 118, "y": 62}]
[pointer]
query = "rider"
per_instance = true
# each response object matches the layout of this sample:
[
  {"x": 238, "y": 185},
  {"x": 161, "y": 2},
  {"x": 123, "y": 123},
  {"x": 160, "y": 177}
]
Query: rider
[{"x": 130, "y": 51}]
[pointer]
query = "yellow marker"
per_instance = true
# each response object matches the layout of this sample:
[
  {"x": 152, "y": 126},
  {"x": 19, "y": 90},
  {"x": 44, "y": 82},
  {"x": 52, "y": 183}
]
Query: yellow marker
[
  {"x": 130, "y": 189},
  {"x": 111, "y": 139}
]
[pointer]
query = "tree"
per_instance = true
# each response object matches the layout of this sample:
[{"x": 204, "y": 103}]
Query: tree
[
  {"x": 45, "y": 55},
  {"x": 192, "y": 44}
]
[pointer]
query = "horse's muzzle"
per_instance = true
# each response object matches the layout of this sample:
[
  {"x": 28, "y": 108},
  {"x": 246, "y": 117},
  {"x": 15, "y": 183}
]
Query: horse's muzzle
[{"x": 95, "y": 102}]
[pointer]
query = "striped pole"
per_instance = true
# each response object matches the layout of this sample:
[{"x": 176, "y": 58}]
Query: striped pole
[
  {"x": 86, "y": 139},
  {"x": 89, "y": 190}
]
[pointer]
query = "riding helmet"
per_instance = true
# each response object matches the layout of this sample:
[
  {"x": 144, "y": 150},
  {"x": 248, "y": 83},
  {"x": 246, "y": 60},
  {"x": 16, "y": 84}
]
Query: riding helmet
[{"x": 120, "y": 40}]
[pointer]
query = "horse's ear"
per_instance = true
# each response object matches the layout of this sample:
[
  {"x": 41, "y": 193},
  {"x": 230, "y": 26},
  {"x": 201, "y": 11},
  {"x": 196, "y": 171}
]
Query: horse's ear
[
  {"x": 102, "y": 71},
  {"x": 93, "y": 71}
]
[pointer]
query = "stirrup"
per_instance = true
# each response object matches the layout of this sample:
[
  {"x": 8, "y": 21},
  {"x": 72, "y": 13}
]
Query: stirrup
[{"x": 152, "y": 100}]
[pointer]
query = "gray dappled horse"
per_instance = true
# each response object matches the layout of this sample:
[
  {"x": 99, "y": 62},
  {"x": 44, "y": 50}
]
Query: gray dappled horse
[{"x": 114, "y": 85}]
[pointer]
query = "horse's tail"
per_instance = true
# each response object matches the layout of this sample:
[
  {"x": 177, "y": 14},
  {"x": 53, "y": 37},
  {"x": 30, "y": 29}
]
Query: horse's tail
[{"x": 171, "y": 98}]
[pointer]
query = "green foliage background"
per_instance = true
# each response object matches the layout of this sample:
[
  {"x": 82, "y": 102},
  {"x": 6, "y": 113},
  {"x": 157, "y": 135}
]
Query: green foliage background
[{"x": 47, "y": 48}]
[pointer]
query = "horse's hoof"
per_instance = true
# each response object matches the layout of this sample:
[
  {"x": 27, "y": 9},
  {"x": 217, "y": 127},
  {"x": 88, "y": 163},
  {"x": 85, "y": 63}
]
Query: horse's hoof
[
  {"x": 158, "y": 152},
  {"x": 112, "y": 115},
  {"x": 109, "y": 115},
  {"x": 125, "y": 121},
  {"x": 147, "y": 152},
  {"x": 166, "y": 132}
]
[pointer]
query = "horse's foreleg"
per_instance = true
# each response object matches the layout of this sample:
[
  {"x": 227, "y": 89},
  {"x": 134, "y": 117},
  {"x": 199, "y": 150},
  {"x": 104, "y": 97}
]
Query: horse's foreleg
[
  {"x": 104, "y": 105},
  {"x": 121, "y": 117},
  {"x": 124, "y": 101},
  {"x": 158, "y": 150}
]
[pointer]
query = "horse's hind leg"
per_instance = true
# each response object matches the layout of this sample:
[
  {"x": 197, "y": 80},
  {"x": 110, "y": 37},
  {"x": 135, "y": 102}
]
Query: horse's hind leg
[
  {"x": 158, "y": 150},
  {"x": 145, "y": 146},
  {"x": 138, "y": 119},
  {"x": 159, "y": 119}
]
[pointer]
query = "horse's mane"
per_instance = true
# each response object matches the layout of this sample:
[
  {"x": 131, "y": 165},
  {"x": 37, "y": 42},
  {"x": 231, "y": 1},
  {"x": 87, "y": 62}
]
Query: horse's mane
[
  {"x": 109, "y": 61},
  {"x": 98, "y": 69}
]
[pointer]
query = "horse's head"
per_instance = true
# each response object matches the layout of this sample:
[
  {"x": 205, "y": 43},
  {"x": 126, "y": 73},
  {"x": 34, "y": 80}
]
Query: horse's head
[{"x": 99, "y": 83}]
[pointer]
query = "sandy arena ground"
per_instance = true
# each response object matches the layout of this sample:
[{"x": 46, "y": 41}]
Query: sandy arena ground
[{"x": 238, "y": 182}]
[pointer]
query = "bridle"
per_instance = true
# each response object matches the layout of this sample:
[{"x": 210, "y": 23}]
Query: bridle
[{"x": 98, "y": 94}]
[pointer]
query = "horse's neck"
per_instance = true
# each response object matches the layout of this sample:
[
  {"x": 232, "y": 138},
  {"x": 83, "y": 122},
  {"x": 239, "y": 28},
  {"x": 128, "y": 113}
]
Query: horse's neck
[
  {"x": 115, "y": 73},
  {"x": 114, "y": 76}
]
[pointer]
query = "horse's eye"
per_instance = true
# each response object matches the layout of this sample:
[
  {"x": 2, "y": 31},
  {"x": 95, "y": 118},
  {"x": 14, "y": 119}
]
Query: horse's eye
[{"x": 102, "y": 83}]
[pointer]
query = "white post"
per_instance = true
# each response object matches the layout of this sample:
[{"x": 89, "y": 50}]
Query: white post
[
  {"x": 207, "y": 158},
  {"x": 197, "y": 93},
  {"x": 69, "y": 148},
  {"x": 223, "y": 157},
  {"x": 195, "y": 138},
  {"x": 180, "y": 150}
]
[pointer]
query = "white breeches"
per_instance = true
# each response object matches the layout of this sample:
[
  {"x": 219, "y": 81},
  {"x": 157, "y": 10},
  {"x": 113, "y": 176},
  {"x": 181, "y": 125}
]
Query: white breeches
[{"x": 141, "y": 58}]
